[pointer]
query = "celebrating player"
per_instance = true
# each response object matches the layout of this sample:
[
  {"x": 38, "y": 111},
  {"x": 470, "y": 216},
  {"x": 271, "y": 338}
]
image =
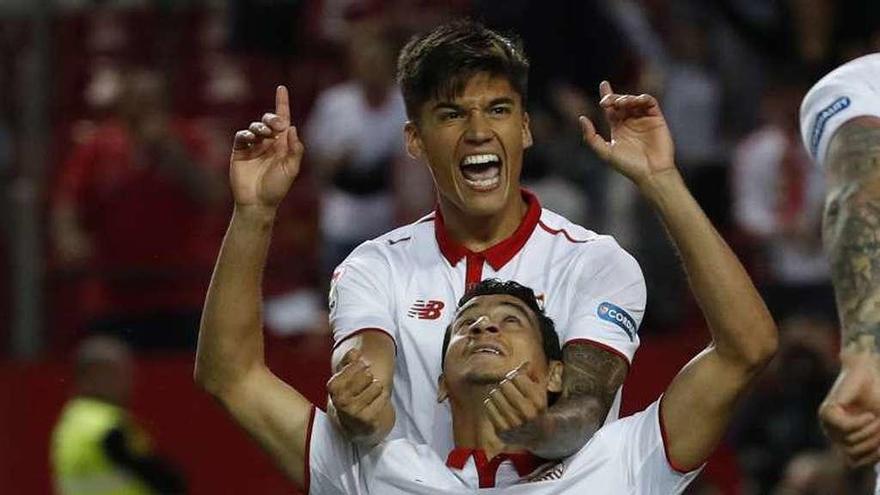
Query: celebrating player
[
  {"x": 499, "y": 356},
  {"x": 840, "y": 125},
  {"x": 464, "y": 88}
]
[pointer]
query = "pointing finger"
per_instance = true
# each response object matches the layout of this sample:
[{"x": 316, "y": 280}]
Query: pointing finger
[
  {"x": 605, "y": 89},
  {"x": 282, "y": 104}
]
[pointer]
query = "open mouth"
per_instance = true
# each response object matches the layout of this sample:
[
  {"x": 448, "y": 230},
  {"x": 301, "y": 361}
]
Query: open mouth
[
  {"x": 487, "y": 348},
  {"x": 481, "y": 172}
]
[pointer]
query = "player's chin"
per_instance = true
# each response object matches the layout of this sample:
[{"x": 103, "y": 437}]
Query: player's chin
[{"x": 485, "y": 203}]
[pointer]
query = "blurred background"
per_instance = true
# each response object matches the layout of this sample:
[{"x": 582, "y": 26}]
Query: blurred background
[{"x": 116, "y": 119}]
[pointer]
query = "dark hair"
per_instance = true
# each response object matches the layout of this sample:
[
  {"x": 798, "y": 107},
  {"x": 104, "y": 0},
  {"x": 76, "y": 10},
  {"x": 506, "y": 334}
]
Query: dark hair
[
  {"x": 439, "y": 63},
  {"x": 493, "y": 286}
]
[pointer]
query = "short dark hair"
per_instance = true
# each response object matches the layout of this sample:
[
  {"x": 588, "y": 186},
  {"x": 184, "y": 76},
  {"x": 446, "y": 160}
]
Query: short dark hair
[
  {"x": 439, "y": 63},
  {"x": 493, "y": 286}
]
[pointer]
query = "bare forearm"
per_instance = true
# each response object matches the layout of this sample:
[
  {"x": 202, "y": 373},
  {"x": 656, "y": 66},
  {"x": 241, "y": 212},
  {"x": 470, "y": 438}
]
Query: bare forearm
[
  {"x": 852, "y": 233},
  {"x": 718, "y": 281},
  {"x": 230, "y": 337},
  {"x": 591, "y": 378}
]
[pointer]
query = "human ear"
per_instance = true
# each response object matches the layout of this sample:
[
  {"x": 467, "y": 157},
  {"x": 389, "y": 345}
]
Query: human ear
[
  {"x": 414, "y": 147},
  {"x": 526, "y": 131},
  {"x": 442, "y": 392},
  {"x": 554, "y": 376}
]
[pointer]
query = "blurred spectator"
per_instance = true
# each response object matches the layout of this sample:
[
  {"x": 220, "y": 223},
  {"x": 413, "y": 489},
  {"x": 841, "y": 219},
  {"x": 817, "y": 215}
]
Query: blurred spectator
[
  {"x": 779, "y": 419},
  {"x": 134, "y": 213},
  {"x": 822, "y": 473},
  {"x": 777, "y": 198},
  {"x": 354, "y": 137},
  {"x": 97, "y": 447}
]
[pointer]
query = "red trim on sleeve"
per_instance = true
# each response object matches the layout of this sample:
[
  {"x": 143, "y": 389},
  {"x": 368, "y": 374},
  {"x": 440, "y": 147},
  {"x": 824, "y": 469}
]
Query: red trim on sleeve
[
  {"x": 675, "y": 466},
  {"x": 307, "y": 465},
  {"x": 368, "y": 329},
  {"x": 600, "y": 345},
  {"x": 498, "y": 255},
  {"x": 561, "y": 231}
]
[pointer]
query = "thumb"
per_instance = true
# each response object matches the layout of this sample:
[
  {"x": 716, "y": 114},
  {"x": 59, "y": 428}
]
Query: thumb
[{"x": 593, "y": 139}]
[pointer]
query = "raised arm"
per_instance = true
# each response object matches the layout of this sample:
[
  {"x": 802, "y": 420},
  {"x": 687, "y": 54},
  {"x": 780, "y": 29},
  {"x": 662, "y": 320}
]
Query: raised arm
[
  {"x": 697, "y": 405},
  {"x": 229, "y": 361},
  {"x": 850, "y": 413}
]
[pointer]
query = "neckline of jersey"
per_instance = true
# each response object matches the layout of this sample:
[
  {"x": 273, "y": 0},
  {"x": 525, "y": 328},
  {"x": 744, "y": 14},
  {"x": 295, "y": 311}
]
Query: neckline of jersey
[
  {"x": 525, "y": 463},
  {"x": 498, "y": 255}
]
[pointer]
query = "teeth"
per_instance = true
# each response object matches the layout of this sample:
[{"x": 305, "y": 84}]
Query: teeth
[
  {"x": 488, "y": 350},
  {"x": 479, "y": 159}
]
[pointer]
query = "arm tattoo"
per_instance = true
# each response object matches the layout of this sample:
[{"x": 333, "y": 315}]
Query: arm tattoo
[
  {"x": 590, "y": 380},
  {"x": 852, "y": 233}
]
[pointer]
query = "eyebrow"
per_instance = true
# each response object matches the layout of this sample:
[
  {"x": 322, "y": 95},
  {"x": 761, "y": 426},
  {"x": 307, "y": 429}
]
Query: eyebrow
[
  {"x": 448, "y": 105},
  {"x": 518, "y": 306}
]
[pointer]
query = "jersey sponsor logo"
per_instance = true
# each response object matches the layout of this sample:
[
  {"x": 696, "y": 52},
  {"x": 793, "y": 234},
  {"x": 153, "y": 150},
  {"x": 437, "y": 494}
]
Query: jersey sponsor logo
[
  {"x": 331, "y": 297},
  {"x": 615, "y": 314},
  {"x": 426, "y": 310},
  {"x": 822, "y": 117}
]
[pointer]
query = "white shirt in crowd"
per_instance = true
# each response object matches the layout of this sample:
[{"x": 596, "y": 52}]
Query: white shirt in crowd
[{"x": 407, "y": 283}]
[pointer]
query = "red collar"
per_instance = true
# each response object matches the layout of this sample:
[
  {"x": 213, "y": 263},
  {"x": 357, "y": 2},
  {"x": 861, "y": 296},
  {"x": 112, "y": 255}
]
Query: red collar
[
  {"x": 498, "y": 255},
  {"x": 524, "y": 462}
]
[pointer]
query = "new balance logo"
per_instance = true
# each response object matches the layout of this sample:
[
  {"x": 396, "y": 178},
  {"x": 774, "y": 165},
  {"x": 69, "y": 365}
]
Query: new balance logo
[{"x": 426, "y": 310}]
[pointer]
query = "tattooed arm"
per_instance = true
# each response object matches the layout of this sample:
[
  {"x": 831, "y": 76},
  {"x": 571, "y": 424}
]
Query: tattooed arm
[
  {"x": 590, "y": 379},
  {"x": 851, "y": 230}
]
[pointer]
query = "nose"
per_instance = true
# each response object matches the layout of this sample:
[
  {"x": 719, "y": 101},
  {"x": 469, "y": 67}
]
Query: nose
[
  {"x": 478, "y": 129},
  {"x": 483, "y": 324}
]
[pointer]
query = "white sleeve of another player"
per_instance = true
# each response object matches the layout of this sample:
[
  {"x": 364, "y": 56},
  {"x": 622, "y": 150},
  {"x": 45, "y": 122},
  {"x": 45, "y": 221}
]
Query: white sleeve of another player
[
  {"x": 360, "y": 294},
  {"x": 609, "y": 300},
  {"x": 844, "y": 94},
  {"x": 333, "y": 465},
  {"x": 644, "y": 453}
]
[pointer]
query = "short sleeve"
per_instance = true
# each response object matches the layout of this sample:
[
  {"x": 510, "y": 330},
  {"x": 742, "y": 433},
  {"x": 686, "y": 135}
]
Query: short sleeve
[
  {"x": 644, "y": 452},
  {"x": 360, "y": 294},
  {"x": 848, "y": 92},
  {"x": 609, "y": 300},
  {"x": 333, "y": 467}
]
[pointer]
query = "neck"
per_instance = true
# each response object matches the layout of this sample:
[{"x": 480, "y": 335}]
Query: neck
[
  {"x": 472, "y": 428},
  {"x": 478, "y": 233}
]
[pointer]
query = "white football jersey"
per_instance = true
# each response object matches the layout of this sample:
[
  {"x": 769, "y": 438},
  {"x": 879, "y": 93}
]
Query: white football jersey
[
  {"x": 849, "y": 91},
  {"x": 626, "y": 456},
  {"x": 407, "y": 283}
]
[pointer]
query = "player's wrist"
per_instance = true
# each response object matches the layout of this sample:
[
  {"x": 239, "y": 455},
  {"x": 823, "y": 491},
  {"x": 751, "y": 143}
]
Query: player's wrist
[
  {"x": 860, "y": 353},
  {"x": 256, "y": 215},
  {"x": 657, "y": 187}
]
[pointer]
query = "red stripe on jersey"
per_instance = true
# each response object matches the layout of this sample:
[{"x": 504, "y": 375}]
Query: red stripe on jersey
[
  {"x": 604, "y": 347},
  {"x": 474, "y": 273},
  {"x": 524, "y": 462},
  {"x": 362, "y": 330},
  {"x": 499, "y": 254},
  {"x": 560, "y": 231},
  {"x": 307, "y": 465}
]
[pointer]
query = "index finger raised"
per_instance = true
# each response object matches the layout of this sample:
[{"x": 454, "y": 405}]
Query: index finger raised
[{"x": 282, "y": 104}]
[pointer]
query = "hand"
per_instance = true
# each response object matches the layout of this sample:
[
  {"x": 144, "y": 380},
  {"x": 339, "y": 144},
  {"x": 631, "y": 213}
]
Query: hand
[
  {"x": 641, "y": 146},
  {"x": 515, "y": 407},
  {"x": 266, "y": 158},
  {"x": 850, "y": 415},
  {"x": 357, "y": 397}
]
